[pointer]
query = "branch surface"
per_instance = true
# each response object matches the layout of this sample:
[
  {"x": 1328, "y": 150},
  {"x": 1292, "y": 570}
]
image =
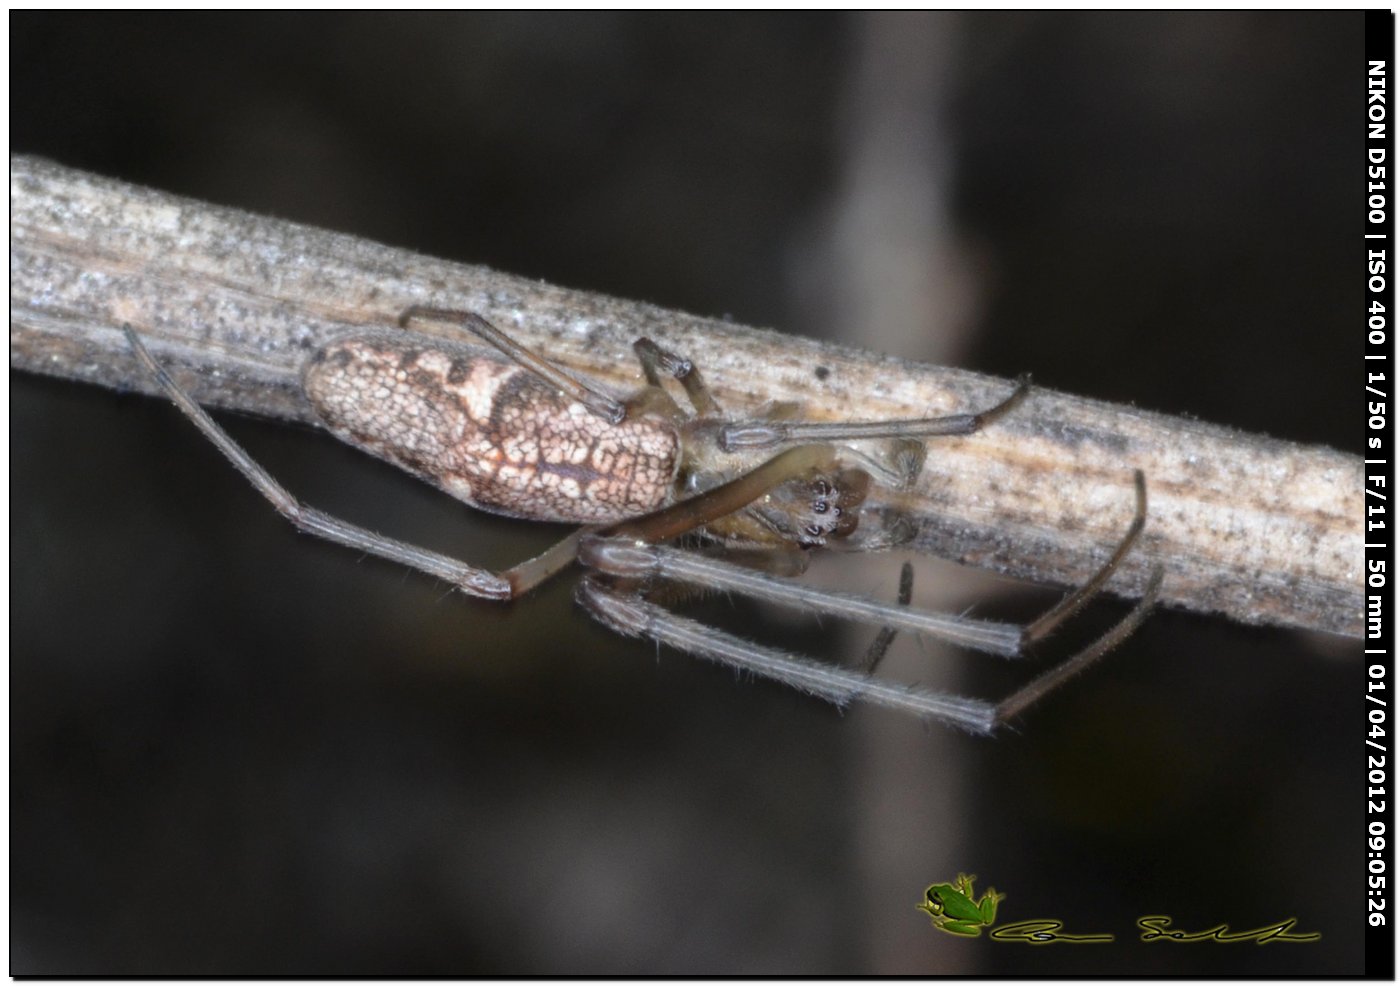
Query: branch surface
[{"x": 1260, "y": 530}]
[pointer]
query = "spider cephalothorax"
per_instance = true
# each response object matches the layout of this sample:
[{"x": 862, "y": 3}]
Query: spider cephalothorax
[{"x": 813, "y": 508}]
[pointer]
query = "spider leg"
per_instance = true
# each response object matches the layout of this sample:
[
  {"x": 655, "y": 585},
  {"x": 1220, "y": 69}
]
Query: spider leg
[
  {"x": 640, "y": 562},
  {"x": 626, "y": 611},
  {"x": 619, "y": 552},
  {"x": 781, "y": 562},
  {"x": 1023, "y": 698},
  {"x": 472, "y": 581},
  {"x": 1077, "y": 599},
  {"x": 767, "y": 434},
  {"x": 599, "y": 403},
  {"x": 686, "y": 515},
  {"x": 881, "y": 644},
  {"x": 624, "y": 564},
  {"x": 656, "y": 361}
]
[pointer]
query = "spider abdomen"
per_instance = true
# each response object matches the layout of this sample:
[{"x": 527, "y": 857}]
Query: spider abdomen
[{"x": 489, "y": 432}]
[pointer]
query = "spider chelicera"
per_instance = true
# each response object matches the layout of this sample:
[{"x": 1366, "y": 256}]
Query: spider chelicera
[{"x": 507, "y": 431}]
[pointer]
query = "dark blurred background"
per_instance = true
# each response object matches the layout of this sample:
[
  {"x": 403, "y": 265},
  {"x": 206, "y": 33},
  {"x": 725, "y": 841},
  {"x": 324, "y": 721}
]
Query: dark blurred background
[{"x": 237, "y": 750}]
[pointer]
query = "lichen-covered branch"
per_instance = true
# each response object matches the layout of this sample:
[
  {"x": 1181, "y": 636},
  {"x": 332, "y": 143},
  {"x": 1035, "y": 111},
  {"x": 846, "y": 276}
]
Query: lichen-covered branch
[{"x": 1262, "y": 531}]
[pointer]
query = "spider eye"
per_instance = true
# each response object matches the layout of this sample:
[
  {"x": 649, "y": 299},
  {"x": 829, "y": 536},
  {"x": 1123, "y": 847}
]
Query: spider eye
[
  {"x": 821, "y": 507},
  {"x": 812, "y": 530}
]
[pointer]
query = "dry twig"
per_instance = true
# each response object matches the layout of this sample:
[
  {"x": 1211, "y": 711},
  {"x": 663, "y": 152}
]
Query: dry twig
[{"x": 1260, "y": 530}]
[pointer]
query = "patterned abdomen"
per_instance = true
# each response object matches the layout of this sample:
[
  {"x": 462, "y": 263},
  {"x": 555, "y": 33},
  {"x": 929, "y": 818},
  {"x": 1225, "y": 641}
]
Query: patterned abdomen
[{"x": 488, "y": 431}]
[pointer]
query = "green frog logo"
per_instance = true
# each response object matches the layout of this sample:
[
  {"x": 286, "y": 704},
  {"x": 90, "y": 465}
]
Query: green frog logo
[{"x": 952, "y": 907}]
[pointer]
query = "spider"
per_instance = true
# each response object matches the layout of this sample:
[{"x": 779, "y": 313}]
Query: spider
[{"x": 509, "y": 432}]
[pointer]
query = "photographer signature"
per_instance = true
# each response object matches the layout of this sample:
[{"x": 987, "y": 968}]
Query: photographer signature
[{"x": 1155, "y": 927}]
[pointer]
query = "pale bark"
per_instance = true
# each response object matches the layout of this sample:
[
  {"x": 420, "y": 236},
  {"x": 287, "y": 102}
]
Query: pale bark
[{"x": 1260, "y": 530}]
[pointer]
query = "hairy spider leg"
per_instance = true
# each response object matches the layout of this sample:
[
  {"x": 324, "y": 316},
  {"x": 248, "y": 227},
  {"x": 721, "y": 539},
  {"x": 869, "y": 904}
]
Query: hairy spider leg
[
  {"x": 473, "y": 581},
  {"x": 767, "y": 434},
  {"x": 881, "y": 644},
  {"x": 629, "y": 551},
  {"x": 630, "y": 614},
  {"x": 656, "y": 361},
  {"x": 1080, "y": 597},
  {"x": 623, "y": 553},
  {"x": 606, "y": 407},
  {"x": 1023, "y": 698}
]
